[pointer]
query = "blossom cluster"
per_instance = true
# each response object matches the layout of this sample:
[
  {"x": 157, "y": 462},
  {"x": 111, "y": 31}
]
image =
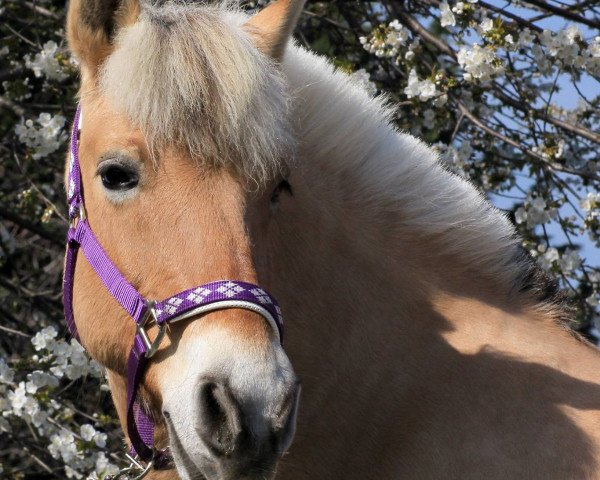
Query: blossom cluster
[
  {"x": 591, "y": 205},
  {"x": 46, "y": 63},
  {"x": 362, "y": 78},
  {"x": 386, "y": 41},
  {"x": 29, "y": 395},
  {"x": 421, "y": 89},
  {"x": 553, "y": 261},
  {"x": 479, "y": 63},
  {"x": 455, "y": 157},
  {"x": 535, "y": 211},
  {"x": 44, "y": 138}
]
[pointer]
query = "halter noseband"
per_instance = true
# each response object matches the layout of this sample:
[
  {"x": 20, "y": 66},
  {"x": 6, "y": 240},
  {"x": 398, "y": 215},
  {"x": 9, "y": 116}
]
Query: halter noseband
[{"x": 206, "y": 298}]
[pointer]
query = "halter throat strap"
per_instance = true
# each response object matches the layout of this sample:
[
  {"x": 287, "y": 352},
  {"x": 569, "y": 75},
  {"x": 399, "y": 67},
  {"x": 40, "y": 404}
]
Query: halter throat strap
[{"x": 219, "y": 295}]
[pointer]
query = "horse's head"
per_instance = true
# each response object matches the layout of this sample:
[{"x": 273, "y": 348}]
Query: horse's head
[{"x": 183, "y": 151}]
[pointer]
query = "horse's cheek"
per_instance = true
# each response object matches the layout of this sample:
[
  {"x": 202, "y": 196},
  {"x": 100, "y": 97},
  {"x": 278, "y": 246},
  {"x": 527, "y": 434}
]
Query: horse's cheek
[{"x": 103, "y": 327}]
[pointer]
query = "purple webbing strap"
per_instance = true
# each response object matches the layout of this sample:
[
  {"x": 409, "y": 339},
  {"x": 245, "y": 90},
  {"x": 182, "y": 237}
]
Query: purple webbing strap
[
  {"x": 114, "y": 281},
  {"x": 74, "y": 200},
  {"x": 140, "y": 426},
  {"x": 68, "y": 278}
]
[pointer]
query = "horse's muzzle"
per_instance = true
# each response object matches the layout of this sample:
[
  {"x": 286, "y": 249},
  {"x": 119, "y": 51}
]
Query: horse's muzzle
[{"x": 241, "y": 440}]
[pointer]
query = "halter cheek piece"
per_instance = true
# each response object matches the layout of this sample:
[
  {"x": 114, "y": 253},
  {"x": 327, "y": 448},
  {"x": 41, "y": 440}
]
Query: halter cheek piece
[{"x": 144, "y": 312}]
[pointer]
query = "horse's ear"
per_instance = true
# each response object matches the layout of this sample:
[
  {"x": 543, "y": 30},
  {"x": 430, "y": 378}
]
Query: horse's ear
[
  {"x": 273, "y": 26},
  {"x": 92, "y": 26}
]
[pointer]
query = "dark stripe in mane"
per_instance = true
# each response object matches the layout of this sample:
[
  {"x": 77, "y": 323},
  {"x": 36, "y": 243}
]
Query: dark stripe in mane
[
  {"x": 545, "y": 291},
  {"x": 537, "y": 283}
]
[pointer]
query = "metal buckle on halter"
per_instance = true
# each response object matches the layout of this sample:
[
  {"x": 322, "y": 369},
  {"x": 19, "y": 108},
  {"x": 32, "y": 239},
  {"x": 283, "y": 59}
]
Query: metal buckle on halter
[
  {"x": 150, "y": 316},
  {"x": 80, "y": 215},
  {"x": 133, "y": 468}
]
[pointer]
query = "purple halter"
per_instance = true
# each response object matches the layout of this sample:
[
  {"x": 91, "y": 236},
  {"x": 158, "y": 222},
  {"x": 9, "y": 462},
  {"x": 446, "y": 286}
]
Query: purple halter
[{"x": 189, "y": 303}]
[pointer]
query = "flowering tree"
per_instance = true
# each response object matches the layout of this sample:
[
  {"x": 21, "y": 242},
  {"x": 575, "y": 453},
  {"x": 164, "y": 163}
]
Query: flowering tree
[{"x": 506, "y": 92}]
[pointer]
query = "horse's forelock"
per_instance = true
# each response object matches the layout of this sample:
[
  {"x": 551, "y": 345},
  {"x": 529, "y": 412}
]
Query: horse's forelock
[{"x": 190, "y": 78}]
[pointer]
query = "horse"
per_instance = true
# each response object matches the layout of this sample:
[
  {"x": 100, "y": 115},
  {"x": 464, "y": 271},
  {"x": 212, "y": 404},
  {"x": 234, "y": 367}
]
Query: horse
[{"x": 428, "y": 345}]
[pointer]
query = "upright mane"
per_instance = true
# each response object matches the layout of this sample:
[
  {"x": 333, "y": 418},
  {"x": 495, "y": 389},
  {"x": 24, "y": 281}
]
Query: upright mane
[
  {"x": 189, "y": 77},
  {"x": 403, "y": 185}
]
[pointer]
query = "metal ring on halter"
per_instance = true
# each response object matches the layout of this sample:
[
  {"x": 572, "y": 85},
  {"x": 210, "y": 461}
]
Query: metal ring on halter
[
  {"x": 151, "y": 315},
  {"x": 81, "y": 215}
]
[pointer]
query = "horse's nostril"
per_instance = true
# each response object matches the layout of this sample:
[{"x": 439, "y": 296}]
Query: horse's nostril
[
  {"x": 220, "y": 417},
  {"x": 166, "y": 414}
]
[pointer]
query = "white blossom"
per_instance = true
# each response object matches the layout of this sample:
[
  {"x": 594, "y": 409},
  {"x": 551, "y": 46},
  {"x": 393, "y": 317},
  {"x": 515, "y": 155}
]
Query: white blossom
[
  {"x": 569, "y": 261},
  {"x": 555, "y": 42},
  {"x": 46, "y": 64},
  {"x": 389, "y": 45},
  {"x": 526, "y": 38},
  {"x": 454, "y": 158},
  {"x": 591, "y": 54},
  {"x": 590, "y": 204},
  {"x": 87, "y": 432},
  {"x": 421, "y": 89},
  {"x": 548, "y": 259},
  {"x": 18, "y": 398},
  {"x": 104, "y": 467},
  {"x": 486, "y": 25},
  {"x": 45, "y": 139},
  {"x": 459, "y": 8},
  {"x": 44, "y": 339},
  {"x": 534, "y": 212},
  {"x": 63, "y": 446},
  {"x": 363, "y": 79},
  {"x": 429, "y": 119},
  {"x": 543, "y": 64},
  {"x": 39, "y": 379},
  {"x": 478, "y": 63},
  {"x": 440, "y": 100},
  {"x": 6, "y": 373},
  {"x": 397, "y": 36},
  {"x": 447, "y": 17}
]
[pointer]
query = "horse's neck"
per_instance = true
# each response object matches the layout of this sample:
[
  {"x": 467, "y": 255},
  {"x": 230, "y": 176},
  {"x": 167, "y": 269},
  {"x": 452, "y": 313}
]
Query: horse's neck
[
  {"x": 386, "y": 238},
  {"x": 383, "y": 312},
  {"x": 395, "y": 361}
]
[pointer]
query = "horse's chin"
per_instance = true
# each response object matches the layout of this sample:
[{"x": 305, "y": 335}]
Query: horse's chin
[{"x": 215, "y": 468}]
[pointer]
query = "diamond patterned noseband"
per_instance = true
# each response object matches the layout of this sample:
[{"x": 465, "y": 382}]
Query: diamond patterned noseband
[{"x": 144, "y": 312}]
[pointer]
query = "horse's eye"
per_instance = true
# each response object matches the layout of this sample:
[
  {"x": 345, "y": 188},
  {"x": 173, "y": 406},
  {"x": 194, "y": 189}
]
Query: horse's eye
[
  {"x": 284, "y": 186},
  {"x": 119, "y": 177}
]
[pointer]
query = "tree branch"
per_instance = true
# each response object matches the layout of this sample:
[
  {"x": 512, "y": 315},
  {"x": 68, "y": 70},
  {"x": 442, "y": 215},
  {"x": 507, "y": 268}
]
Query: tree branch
[
  {"x": 583, "y": 132},
  {"x": 480, "y": 124},
  {"x": 53, "y": 237},
  {"x": 10, "y": 105},
  {"x": 521, "y": 21},
  {"x": 562, "y": 12}
]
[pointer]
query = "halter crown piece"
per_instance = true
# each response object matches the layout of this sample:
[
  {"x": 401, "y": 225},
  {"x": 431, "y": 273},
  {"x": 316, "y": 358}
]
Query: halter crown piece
[{"x": 212, "y": 296}]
